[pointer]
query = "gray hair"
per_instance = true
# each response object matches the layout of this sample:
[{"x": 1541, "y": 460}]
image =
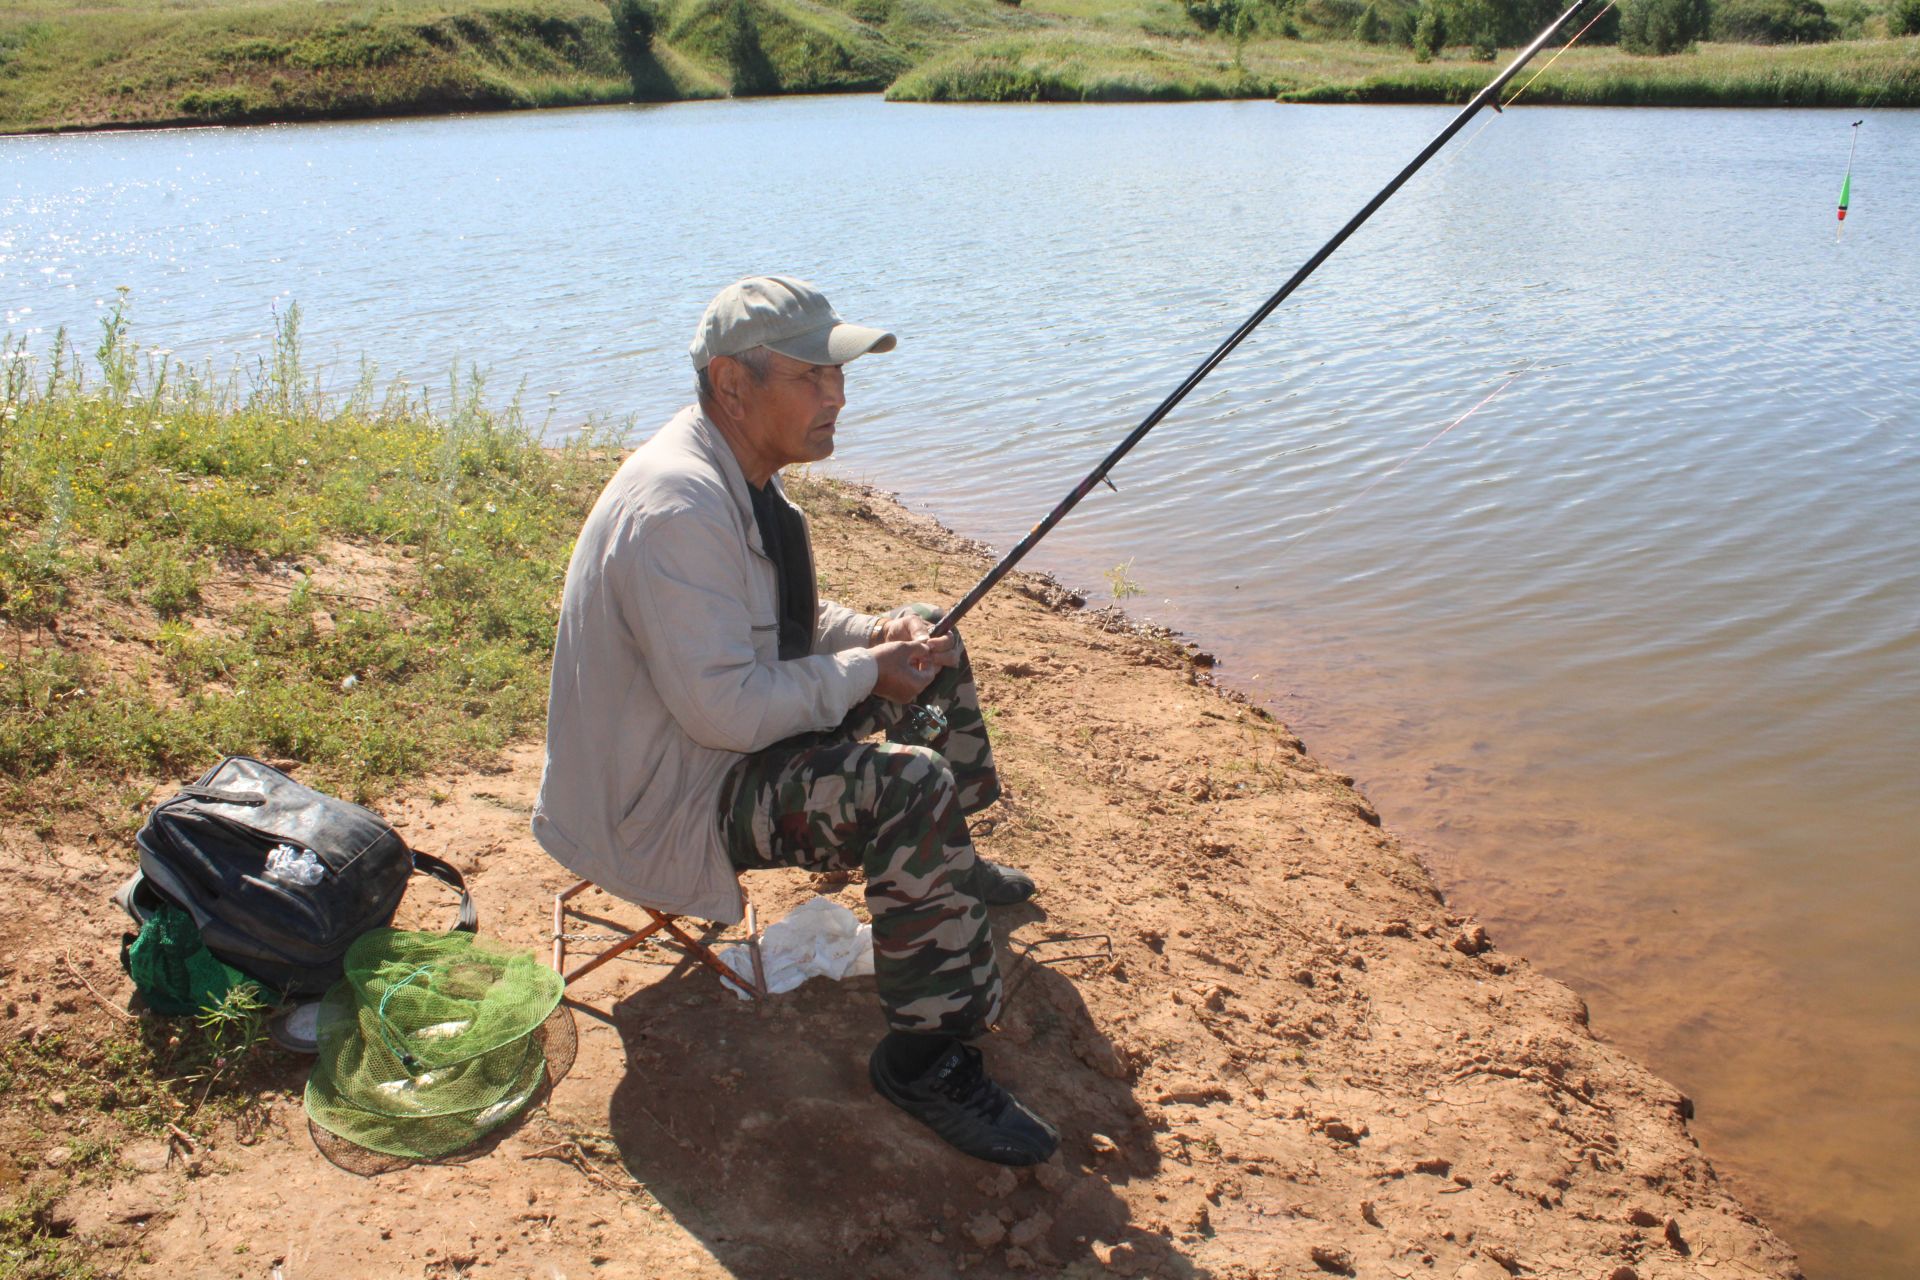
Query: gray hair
[{"x": 758, "y": 360}]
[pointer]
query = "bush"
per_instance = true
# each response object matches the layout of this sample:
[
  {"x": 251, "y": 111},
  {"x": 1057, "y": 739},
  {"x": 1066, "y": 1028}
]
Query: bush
[
  {"x": 1662, "y": 27},
  {"x": 215, "y": 104},
  {"x": 1772, "y": 22},
  {"x": 1371, "y": 28},
  {"x": 1235, "y": 18},
  {"x": 1477, "y": 23},
  {"x": 1903, "y": 19},
  {"x": 1430, "y": 32}
]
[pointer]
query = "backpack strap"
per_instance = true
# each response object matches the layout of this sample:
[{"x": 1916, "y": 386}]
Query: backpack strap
[
  {"x": 218, "y": 796},
  {"x": 425, "y": 864}
]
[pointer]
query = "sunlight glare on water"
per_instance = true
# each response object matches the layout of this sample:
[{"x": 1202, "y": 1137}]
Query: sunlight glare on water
[{"x": 1629, "y": 654}]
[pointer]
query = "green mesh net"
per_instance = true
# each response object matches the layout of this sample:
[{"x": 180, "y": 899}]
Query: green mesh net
[
  {"x": 172, "y": 968},
  {"x": 428, "y": 1042}
]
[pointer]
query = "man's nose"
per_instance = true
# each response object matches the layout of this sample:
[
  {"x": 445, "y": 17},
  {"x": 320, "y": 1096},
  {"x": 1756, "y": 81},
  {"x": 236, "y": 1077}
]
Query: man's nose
[{"x": 835, "y": 387}]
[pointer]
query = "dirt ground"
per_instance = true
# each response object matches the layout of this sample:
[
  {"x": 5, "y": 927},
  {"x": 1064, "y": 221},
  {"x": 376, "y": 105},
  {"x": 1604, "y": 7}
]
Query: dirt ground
[{"x": 1296, "y": 1060}]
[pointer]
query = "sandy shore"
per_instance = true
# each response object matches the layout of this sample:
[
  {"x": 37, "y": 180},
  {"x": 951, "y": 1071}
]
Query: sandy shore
[{"x": 1299, "y": 1060}]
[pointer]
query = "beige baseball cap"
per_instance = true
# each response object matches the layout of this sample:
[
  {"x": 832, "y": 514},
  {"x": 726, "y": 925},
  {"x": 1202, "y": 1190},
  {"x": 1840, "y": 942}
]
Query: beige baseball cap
[{"x": 785, "y": 315}]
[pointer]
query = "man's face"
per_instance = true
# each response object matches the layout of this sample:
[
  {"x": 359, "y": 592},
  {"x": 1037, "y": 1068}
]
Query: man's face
[{"x": 791, "y": 412}]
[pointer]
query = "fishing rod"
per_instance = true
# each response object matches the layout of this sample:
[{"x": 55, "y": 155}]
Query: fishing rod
[{"x": 1207, "y": 366}]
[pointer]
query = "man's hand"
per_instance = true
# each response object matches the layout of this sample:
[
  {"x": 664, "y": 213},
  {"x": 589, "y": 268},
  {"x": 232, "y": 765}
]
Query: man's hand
[
  {"x": 908, "y": 626},
  {"x": 908, "y": 666}
]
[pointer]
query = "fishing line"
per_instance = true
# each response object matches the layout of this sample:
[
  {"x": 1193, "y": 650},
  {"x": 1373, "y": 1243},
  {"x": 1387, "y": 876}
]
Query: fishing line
[
  {"x": 1491, "y": 396},
  {"x": 1462, "y": 149},
  {"x": 1489, "y": 93}
]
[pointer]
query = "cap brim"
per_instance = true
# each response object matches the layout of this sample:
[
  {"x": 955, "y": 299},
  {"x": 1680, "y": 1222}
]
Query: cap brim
[{"x": 834, "y": 343}]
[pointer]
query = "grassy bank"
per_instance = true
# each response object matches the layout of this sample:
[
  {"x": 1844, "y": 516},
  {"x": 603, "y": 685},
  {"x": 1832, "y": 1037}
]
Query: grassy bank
[
  {"x": 149, "y": 62},
  {"x": 191, "y": 567}
]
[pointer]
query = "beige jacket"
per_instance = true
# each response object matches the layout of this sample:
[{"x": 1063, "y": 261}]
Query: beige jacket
[{"x": 666, "y": 671}]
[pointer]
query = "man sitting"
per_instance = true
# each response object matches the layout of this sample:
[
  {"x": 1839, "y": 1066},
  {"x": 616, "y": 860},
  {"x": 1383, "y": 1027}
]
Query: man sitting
[{"x": 710, "y": 715}]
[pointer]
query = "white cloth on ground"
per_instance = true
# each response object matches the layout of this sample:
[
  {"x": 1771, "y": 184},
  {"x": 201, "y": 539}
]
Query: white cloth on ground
[{"x": 817, "y": 939}]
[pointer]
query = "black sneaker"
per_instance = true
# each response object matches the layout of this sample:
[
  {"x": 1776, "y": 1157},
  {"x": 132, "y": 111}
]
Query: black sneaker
[
  {"x": 956, "y": 1100},
  {"x": 1000, "y": 885}
]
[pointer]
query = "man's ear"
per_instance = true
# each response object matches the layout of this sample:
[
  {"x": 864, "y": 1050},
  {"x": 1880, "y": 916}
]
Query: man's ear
[{"x": 725, "y": 375}]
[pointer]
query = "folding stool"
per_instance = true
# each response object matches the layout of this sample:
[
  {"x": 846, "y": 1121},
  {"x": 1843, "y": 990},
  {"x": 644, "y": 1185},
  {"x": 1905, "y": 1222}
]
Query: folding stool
[{"x": 660, "y": 922}]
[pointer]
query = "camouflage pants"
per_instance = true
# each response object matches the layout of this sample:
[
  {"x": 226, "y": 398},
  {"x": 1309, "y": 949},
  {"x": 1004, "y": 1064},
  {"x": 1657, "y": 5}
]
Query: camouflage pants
[{"x": 897, "y": 810}]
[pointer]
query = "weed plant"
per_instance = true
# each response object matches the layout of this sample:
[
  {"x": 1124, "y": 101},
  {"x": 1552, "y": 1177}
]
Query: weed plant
[{"x": 193, "y": 520}]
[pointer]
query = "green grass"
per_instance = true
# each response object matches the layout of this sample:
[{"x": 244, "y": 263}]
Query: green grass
[
  {"x": 1851, "y": 74},
  {"x": 192, "y": 566},
  {"x": 232, "y": 61},
  {"x": 190, "y": 520},
  {"x": 1083, "y": 68},
  {"x": 126, "y": 62}
]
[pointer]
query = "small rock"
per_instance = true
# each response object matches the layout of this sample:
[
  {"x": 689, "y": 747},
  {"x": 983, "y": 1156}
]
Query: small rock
[
  {"x": 1644, "y": 1218},
  {"x": 1506, "y": 1257},
  {"x": 1103, "y": 1146},
  {"x": 1019, "y": 1260},
  {"x": 1369, "y": 1213},
  {"x": 1341, "y": 1131},
  {"x": 1435, "y": 1165},
  {"x": 57, "y": 1157},
  {"x": 1472, "y": 940},
  {"x": 1098, "y": 1052},
  {"x": 1332, "y": 1258},
  {"x": 985, "y": 1230},
  {"x": 145, "y": 1157},
  {"x": 57, "y": 1099},
  {"x": 1029, "y": 1231},
  {"x": 999, "y": 1184},
  {"x": 1052, "y": 1176},
  {"x": 1674, "y": 1239},
  {"x": 1623, "y": 1273}
]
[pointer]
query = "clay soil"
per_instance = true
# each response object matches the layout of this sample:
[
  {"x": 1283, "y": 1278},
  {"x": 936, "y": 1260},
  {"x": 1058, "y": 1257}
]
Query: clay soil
[{"x": 1272, "y": 1048}]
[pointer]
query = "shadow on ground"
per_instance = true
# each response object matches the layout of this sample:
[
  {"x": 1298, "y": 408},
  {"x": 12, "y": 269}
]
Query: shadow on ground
[{"x": 756, "y": 1127}]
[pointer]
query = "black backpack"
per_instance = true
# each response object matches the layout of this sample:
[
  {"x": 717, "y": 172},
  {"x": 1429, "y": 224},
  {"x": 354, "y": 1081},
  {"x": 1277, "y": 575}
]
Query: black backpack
[{"x": 206, "y": 850}]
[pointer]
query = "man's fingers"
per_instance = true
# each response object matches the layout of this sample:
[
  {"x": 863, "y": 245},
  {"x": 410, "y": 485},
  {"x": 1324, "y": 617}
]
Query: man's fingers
[{"x": 935, "y": 651}]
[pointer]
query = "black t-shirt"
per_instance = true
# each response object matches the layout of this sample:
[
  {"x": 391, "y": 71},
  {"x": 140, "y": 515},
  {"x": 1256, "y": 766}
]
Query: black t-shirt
[{"x": 784, "y": 534}]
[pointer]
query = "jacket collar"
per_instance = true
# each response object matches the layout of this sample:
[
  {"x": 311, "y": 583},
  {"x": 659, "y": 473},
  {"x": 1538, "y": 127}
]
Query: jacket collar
[{"x": 709, "y": 441}]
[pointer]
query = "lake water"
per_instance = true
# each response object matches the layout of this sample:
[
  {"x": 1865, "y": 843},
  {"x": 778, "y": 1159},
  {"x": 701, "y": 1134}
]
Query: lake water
[{"x": 1632, "y": 654}]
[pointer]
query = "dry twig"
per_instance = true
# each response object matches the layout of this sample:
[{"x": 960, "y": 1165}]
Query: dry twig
[{"x": 104, "y": 1002}]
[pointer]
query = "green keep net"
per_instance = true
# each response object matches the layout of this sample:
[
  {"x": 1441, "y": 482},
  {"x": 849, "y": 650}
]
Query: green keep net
[{"x": 428, "y": 1043}]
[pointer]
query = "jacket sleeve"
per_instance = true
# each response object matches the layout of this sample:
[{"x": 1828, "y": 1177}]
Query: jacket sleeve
[
  {"x": 837, "y": 627},
  {"x": 682, "y": 601}
]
